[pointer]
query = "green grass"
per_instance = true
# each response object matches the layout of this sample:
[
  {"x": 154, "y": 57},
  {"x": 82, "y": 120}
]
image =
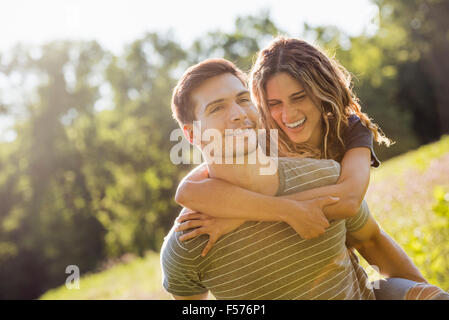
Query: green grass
[
  {"x": 416, "y": 159},
  {"x": 139, "y": 278},
  {"x": 400, "y": 196}
]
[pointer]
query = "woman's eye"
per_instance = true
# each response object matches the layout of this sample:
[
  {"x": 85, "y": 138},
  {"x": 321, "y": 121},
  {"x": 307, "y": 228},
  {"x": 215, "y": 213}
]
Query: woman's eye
[
  {"x": 273, "y": 104},
  {"x": 298, "y": 98},
  {"x": 244, "y": 101}
]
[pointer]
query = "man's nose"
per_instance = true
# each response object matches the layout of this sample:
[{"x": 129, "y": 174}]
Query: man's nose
[{"x": 238, "y": 114}]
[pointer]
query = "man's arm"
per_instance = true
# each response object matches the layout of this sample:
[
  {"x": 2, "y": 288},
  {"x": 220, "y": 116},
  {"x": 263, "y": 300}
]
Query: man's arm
[
  {"x": 180, "y": 275},
  {"x": 380, "y": 250}
]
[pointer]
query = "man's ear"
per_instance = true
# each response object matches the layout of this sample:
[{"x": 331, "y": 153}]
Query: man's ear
[{"x": 188, "y": 132}]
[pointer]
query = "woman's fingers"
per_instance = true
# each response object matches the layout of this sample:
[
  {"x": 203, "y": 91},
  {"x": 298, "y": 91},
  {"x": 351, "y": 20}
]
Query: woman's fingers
[
  {"x": 190, "y": 224},
  {"x": 191, "y": 216},
  {"x": 193, "y": 234},
  {"x": 328, "y": 200},
  {"x": 186, "y": 210},
  {"x": 208, "y": 246},
  {"x": 324, "y": 223}
]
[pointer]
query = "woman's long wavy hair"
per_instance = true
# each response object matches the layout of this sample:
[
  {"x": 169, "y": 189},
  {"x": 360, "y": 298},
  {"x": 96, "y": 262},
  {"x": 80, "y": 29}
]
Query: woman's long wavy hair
[{"x": 324, "y": 80}]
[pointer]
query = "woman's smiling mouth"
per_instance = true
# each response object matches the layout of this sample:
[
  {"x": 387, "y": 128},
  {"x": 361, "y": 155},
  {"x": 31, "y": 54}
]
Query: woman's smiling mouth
[{"x": 297, "y": 124}]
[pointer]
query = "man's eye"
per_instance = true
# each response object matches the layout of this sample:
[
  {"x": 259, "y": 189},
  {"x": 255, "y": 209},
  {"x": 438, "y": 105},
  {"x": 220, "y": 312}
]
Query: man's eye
[
  {"x": 244, "y": 100},
  {"x": 215, "y": 109},
  {"x": 273, "y": 104}
]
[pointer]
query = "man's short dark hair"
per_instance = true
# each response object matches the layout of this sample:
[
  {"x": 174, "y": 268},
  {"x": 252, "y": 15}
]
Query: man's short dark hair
[{"x": 182, "y": 106}]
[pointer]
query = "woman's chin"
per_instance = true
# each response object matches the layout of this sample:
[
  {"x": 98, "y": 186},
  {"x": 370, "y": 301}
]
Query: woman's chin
[
  {"x": 300, "y": 139},
  {"x": 297, "y": 138}
]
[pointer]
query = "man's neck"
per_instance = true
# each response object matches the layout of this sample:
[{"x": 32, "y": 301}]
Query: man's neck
[{"x": 247, "y": 174}]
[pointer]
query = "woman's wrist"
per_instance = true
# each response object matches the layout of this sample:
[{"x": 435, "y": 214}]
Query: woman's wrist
[{"x": 285, "y": 209}]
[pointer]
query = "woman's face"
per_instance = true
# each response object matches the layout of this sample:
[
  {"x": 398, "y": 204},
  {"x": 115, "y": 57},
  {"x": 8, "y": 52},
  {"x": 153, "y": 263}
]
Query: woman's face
[{"x": 293, "y": 110}]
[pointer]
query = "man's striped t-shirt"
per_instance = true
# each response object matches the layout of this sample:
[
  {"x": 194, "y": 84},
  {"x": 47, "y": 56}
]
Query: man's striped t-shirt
[{"x": 269, "y": 260}]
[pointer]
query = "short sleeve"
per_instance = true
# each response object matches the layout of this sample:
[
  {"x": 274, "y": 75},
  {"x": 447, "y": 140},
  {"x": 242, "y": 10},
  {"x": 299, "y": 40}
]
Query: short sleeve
[
  {"x": 300, "y": 174},
  {"x": 359, "y": 220},
  {"x": 179, "y": 268},
  {"x": 357, "y": 135}
]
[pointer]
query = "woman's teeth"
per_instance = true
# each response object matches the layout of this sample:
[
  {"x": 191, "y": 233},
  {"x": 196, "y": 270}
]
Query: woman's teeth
[{"x": 296, "y": 124}]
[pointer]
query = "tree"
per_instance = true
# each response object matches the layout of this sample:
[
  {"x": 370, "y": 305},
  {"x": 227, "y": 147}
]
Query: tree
[
  {"x": 423, "y": 61},
  {"x": 47, "y": 219}
]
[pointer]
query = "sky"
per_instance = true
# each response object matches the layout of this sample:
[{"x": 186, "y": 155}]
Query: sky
[{"x": 114, "y": 23}]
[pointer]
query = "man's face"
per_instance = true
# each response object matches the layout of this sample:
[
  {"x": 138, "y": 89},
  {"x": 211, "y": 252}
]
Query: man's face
[{"x": 221, "y": 103}]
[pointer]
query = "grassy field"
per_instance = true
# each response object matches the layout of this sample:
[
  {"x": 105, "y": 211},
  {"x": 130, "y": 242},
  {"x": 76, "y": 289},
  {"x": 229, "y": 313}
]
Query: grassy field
[
  {"x": 402, "y": 196},
  {"x": 138, "y": 278}
]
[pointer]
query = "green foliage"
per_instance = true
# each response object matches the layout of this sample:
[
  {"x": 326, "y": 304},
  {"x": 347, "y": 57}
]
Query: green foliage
[
  {"x": 441, "y": 208},
  {"x": 438, "y": 267},
  {"x": 421, "y": 59},
  {"x": 428, "y": 246},
  {"x": 240, "y": 46},
  {"x": 89, "y": 177},
  {"x": 409, "y": 196}
]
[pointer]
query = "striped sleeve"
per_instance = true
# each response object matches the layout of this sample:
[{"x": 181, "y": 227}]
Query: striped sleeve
[
  {"x": 300, "y": 174},
  {"x": 179, "y": 263},
  {"x": 359, "y": 220}
]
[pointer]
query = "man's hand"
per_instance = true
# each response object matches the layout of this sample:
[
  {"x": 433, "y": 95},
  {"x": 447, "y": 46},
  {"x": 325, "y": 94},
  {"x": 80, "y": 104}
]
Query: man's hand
[
  {"x": 308, "y": 219},
  {"x": 204, "y": 224}
]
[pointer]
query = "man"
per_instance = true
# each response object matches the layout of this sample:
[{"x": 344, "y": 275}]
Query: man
[{"x": 264, "y": 259}]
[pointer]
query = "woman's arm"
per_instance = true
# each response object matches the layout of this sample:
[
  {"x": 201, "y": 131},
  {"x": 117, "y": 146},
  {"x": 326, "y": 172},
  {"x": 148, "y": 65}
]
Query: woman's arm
[
  {"x": 221, "y": 199},
  {"x": 350, "y": 187}
]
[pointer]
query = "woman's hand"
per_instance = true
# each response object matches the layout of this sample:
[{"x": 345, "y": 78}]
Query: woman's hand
[
  {"x": 309, "y": 221},
  {"x": 204, "y": 224}
]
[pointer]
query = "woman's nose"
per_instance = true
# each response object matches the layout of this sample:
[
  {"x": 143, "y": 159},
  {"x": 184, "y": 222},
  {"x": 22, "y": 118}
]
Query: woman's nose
[{"x": 288, "y": 113}]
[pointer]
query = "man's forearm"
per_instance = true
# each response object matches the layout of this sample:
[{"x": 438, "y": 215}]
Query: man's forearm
[{"x": 382, "y": 251}]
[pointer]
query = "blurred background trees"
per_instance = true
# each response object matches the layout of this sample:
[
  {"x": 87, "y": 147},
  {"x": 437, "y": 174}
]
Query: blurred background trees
[{"x": 89, "y": 177}]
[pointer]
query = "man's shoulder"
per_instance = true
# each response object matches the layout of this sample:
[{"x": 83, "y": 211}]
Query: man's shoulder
[
  {"x": 306, "y": 164},
  {"x": 300, "y": 174}
]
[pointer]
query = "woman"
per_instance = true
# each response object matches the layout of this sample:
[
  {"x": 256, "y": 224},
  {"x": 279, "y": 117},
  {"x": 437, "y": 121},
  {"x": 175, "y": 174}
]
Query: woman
[{"x": 307, "y": 96}]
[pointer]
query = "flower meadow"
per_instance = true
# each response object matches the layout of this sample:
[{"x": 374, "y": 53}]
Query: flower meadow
[{"x": 409, "y": 197}]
